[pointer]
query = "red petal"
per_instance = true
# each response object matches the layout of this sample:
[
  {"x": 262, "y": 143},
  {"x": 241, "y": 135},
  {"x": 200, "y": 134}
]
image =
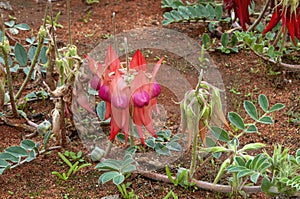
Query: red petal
[
  {"x": 112, "y": 62},
  {"x": 138, "y": 61},
  {"x": 83, "y": 102},
  {"x": 276, "y": 16},
  {"x": 290, "y": 24}
]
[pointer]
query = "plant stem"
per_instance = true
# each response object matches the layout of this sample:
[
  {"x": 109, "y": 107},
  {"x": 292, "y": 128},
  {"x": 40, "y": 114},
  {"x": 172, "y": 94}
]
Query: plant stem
[
  {"x": 8, "y": 75},
  {"x": 259, "y": 17},
  {"x": 69, "y": 22},
  {"x": 33, "y": 63},
  {"x": 282, "y": 42},
  {"x": 201, "y": 184},
  {"x": 194, "y": 154}
]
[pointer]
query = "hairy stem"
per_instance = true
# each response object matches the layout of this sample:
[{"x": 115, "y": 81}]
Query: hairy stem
[
  {"x": 8, "y": 75},
  {"x": 33, "y": 63}
]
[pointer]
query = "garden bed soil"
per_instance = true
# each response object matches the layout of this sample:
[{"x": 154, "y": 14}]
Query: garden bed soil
[{"x": 245, "y": 77}]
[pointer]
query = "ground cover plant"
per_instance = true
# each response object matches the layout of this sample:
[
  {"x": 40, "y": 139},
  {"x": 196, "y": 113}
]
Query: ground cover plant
[{"x": 249, "y": 150}]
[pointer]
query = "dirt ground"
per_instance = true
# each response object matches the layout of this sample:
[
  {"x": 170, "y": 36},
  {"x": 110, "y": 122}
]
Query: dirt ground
[{"x": 245, "y": 76}]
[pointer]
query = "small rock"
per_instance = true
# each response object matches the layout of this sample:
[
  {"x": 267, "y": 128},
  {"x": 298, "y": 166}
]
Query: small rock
[{"x": 111, "y": 197}]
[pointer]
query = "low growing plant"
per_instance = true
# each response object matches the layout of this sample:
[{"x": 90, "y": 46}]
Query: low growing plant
[{"x": 73, "y": 167}]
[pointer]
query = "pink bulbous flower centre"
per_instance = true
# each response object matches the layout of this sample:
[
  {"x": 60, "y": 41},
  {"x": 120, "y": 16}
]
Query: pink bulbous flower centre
[
  {"x": 140, "y": 98},
  {"x": 104, "y": 93},
  {"x": 155, "y": 90},
  {"x": 120, "y": 101},
  {"x": 95, "y": 82}
]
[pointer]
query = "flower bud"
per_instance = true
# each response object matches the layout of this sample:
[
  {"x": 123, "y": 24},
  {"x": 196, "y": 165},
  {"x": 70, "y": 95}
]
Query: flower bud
[
  {"x": 104, "y": 93},
  {"x": 140, "y": 98},
  {"x": 95, "y": 82},
  {"x": 155, "y": 89},
  {"x": 120, "y": 101}
]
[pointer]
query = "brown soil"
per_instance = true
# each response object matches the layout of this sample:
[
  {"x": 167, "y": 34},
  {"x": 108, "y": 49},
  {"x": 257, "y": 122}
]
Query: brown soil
[{"x": 245, "y": 77}]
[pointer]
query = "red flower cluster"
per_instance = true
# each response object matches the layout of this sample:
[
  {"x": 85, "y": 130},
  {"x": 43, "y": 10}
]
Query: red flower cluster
[
  {"x": 290, "y": 18},
  {"x": 127, "y": 93},
  {"x": 240, "y": 8}
]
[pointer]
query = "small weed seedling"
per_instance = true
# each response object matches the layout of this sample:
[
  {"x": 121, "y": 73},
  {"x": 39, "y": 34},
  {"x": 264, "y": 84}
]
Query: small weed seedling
[{"x": 73, "y": 167}]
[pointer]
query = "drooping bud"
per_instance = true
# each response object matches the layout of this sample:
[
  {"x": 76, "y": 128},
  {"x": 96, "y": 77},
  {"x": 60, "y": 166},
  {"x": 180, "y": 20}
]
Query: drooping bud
[
  {"x": 140, "y": 98},
  {"x": 95, "y": 82},
  {"x": 104, "y": 93},
  {"x": 155, "y": 89},
  {"x": 120, "y": 101}
]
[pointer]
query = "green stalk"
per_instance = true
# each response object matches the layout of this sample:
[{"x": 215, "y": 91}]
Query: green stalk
[
  {"x": 41, "y": 37},
  {"x": 282, "y": 42},
  {"x": 69, "y": 22},
  {"x": 8, "y": 75},
  {"x": 194, "y": 154}
]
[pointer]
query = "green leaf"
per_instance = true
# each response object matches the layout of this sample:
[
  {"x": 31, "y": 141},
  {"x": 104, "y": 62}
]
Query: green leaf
[
  {"x": 252, "y": 146},
  {"x": 225, "y": 39},
  {"x": 206, "y": 40},
  {"x": 219, "y": 12},
  {"x": 22, "y": 26},
  {"x": 250, "y": 109},
  {"x": 101, "y": 109},
  {"x": 150, "y": 142},
  {"x": 46, "y": 138},
  {"x": 174, "y": 146},
  {"x": 169, "y": 175},
  {"x": 13, "y": 31},
  {"x": 266, "y": 185},
  {"x": 210, "y": 142},
  {"x": 119, "y": 179},
  {"x": 239, "y": 160},
  {"x": 161, "y": 149},
  {"x": 251, "y": 129},
  {"x": 43, "y": 55},
  {"x": 27, "y": 144},
  {"x": 245, "y": 172},
  {"x": 215, "y": 149},
  {"x": 211, "y": 12},
  {"x": 8, "y": 156},
  {"x": 3, "y": 164},
  {"x": 21, "y": 54},
  {"x": 128, "y": 169},
  {"x": 65, "y": 159},
  {"x": 32, "y": 156},
  {"x": 15, "y": 68},
  {"x": 235, "y": 169},
  {"x": 108, "y": 176},
  {"x": 276, "y": 107},
  {"x": 109, "y": 164},
  {"x": 254, "y": 177},
  {"x": 236, "y": 120},
  {"x": 222, "y": 169},
  {"x": 200, "y": 9},
  {"x": 263, "y": 102},
  {"x": 219, "y": 133},
  {"x": 176, "y": 16},
  {"x": 10, "y": 23},
  {"x": 266, "y": 120},
  {"x": 16, "y": 151},
  {"x": 31, "y": 52}
]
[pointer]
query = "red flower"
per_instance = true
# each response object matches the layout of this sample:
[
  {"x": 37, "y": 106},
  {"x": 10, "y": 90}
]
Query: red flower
[
  {"x": 290, "y": 19},
  {"x": 240, "y": 8},
  {"x": 125, "y": 91}
]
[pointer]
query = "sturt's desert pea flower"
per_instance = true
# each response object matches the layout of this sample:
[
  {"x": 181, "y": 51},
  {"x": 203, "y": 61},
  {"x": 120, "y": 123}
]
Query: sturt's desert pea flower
[
  {"x": 129, "y": 93},
  {"x": 289, "y": 14},
  {"x": 240, "y": 8}
]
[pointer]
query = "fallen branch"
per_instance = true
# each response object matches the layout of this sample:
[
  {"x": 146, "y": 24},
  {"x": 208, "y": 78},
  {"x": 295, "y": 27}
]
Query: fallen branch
[{"x": 201, "y": 184}]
